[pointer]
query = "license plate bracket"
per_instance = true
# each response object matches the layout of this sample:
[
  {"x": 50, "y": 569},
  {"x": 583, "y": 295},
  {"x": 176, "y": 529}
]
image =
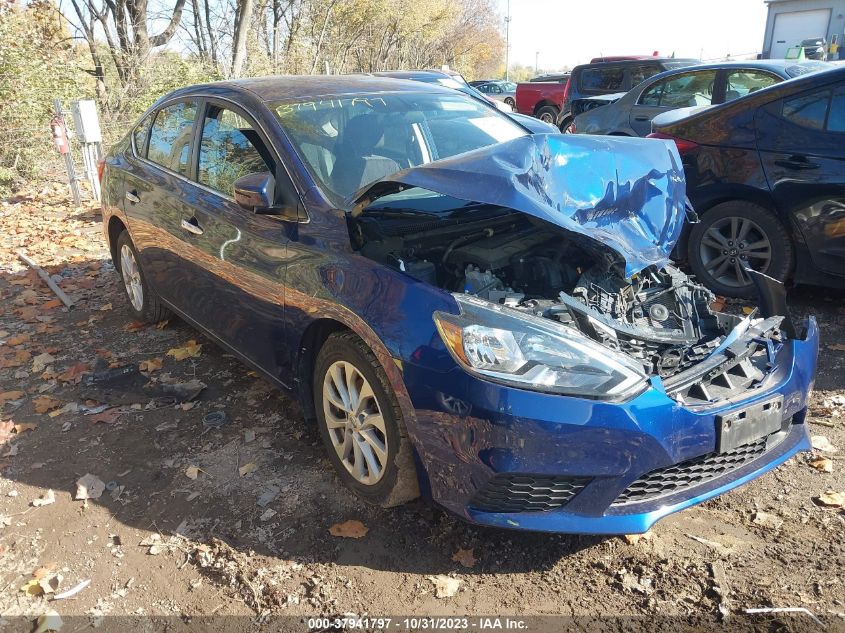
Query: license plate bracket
[{"x": 744, "y": 426}]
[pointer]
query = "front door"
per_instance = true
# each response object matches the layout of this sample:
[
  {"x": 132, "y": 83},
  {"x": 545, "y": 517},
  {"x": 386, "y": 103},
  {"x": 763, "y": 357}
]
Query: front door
[
  {"x": 802, "y": 147},
  {"x": 677, "y": 91}
]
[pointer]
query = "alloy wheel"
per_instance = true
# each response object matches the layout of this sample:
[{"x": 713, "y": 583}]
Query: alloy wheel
[
  {"x": 355, "y": 423},
  {"x": 730, "y": 245},
  {"x": 131, "y": 277}
]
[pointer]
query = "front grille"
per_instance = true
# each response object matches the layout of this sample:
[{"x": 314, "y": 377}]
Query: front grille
[
  {"x": 527, "y": 493},
  {"x": 665, "y": 481}
]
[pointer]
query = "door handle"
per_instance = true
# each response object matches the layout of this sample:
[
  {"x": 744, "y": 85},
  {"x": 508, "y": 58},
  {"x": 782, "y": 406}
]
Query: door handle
[
  {"x": 191, "y": 226},
  {"x": 133, "y": 196},
  {"x": 797, "y": 162},
  {"x": 641, "y": 118}
]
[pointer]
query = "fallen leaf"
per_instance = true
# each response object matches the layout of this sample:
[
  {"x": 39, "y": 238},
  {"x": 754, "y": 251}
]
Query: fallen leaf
[
  {"x": 20, "y": 339},
  {"x": 633, "y": 539},
  {"x": 249, "y": 436},
  {"x": 43, "y": 404},
  {"x": 268, "y": 514},
  {"x": 349, "y": 529},
  {"x": 832, "y": 499},
  {"x": 89, "y": 487},
  {"x": 32, "y": 588},
  {"x": 766, "y": 520},
  {"x": 21, "y": 357},
  {"x": 246, "y": 469},
  {"x": 52, "y": 304},
  {"x": 50, "y": 583},
  {"x": 191, "y": 349},
  {"x": 134, "y": 326},
  {"x": 46, "y": 499},
  {"x": 747, "y": 309},
  {"x": 13, "y": 450},
  {"x": 109, "y": 416},
  {"x": 11, "y": 395},
  {"x": 822, "y": 464},
  {"x": 153, "y": 364},
  {"x": 73, "y": 373},
  {"x": 192, "y": 472},
  {"x": 445, "y": 586},
  {"x": 22, "y": 427},
  {"x": 465, "y": 557},
  {"x": 105, "y": 307},
  {"x": 162, "y": 324},
  {"x": 40, "y": 362},
  {"x": 837, "y": 347}
]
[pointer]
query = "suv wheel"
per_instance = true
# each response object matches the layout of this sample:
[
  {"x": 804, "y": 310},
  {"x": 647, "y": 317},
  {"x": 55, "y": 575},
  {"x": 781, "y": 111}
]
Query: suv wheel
[
  {"x": 548, "y": 114},
  {"x": 733, "y": 235},
  {"x": 566, "y": 126},
  {"x": 143, "y": 302},
  {"x": 510, "y": 102},
  {"x": 361, "y": 424}
]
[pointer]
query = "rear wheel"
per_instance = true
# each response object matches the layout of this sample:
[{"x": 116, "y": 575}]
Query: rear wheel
[
  {"x": 567, "y": 126},
  {"x": 735, "y": 235},
  {"x": 548, "y": 114},
  {"x": 143, "y": 301},
  {"x": 510, "y": 102},
  {"x": 361, "y": 424}
]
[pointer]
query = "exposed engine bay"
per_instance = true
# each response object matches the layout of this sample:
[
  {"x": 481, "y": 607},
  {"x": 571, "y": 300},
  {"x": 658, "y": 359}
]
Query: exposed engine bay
[{"x": 661, "y": 317}]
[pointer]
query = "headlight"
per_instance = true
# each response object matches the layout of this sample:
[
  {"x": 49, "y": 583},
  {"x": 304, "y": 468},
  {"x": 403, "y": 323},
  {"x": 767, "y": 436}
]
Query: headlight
[{"x": 521, "y": 350}]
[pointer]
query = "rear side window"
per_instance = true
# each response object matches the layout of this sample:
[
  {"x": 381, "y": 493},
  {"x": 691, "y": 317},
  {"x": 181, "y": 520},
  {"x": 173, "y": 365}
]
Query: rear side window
[
  {"x": 602, "y": 79},
  {"x": 743, "y": 82},
  {"x": 170, "y": 136},
  {"x": 230, "y": 148},
  {"x": 640, "y": 73},
  {"x": 139, "y": 136},
  {"x": 681, "y": 91},
  {"x": 808, "y": 110}
]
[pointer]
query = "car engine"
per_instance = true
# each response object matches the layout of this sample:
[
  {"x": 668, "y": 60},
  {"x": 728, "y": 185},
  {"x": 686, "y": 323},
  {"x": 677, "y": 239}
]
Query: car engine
[{"x": 661, "y": 317}]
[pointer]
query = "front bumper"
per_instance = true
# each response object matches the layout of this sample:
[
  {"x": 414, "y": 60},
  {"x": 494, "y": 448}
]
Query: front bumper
[{"x": 468, "y": 431}]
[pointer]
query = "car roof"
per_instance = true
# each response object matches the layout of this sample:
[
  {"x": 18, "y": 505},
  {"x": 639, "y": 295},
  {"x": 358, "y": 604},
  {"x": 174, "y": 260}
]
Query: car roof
[
  {"x": 634, "y": 62},
  {"x": 292, "y": 87}
]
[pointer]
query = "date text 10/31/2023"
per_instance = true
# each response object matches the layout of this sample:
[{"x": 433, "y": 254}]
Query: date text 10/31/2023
[{"x": 414, "y": 623}]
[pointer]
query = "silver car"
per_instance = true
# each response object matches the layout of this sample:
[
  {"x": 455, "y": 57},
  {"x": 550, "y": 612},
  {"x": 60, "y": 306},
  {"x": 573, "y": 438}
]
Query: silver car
[
  {"x": 703, "y": 85},
  {"x": 504, "y": 91}
]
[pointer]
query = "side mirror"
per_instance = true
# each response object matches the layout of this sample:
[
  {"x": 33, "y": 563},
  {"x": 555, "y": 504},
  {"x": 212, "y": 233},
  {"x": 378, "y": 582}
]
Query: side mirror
[{"x": 255, "y": 191}]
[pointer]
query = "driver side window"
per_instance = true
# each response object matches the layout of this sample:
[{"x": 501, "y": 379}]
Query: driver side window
[
  {"x": 230, "y": 148},
  {"x": 681, "y": 91}
]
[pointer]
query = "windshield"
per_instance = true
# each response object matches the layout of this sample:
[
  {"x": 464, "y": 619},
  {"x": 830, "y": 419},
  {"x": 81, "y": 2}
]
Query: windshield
[{"x": 350, "y": 142}]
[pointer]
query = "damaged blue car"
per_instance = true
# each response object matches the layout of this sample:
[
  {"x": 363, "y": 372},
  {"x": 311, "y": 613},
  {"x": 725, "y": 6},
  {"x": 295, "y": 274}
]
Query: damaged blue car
[{"x": 469, "y": 312}]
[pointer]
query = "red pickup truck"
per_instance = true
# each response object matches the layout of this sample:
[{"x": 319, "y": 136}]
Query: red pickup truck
[{"x": 543, "y": 96}]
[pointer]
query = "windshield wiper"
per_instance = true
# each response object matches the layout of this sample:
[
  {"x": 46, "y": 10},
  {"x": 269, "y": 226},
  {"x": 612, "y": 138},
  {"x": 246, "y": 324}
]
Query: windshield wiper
[{"x": 401, "y": 213}]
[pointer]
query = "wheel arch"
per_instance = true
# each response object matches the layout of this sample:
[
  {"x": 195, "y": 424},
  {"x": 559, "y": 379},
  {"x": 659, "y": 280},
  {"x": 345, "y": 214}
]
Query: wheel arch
[
  {"x": 115, "y": 228},
  {"x": 544, "y": 103}
]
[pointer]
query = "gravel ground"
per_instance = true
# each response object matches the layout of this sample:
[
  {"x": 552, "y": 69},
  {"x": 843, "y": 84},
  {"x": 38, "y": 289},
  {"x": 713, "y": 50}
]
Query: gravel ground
[{"x": 198, "y": 521}]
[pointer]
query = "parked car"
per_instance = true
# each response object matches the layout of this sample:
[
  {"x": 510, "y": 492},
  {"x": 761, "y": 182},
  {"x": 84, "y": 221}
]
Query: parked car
[
  {"x": 461, "y": 317},
  {"x": 479, "y": 82},
  {"x": 441, "y": 79},
  {"x": 766, "y": 173},
  {"x": 607, "y": 78},
  {"x": 541, "y": 99},
  {"x": 815, "y": 48},
  {"x": 550, "y": 78},
  {"x": 708, "y": 84},
  {"x": 500, "y": 91}
]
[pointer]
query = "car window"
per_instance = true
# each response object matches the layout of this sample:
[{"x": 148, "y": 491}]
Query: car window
[
  {"x": 229, "y": 150},
  {"x": 495, "y": 89},
  {"x": 742, "y": 82},
  {"x": 602, "y": 79},
  {"x": 681, "y": 91},
  {"x": 836, "y": 118},
  {"x": 640, "y": 73},
  {"x": 170, "y": 137},
  {"x": 808, "y": 110},
  {"x": 139, "y": 136}
]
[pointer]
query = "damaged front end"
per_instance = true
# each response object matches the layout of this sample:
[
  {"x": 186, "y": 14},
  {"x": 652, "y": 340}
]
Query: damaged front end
[{"x": 559, "y": 247}]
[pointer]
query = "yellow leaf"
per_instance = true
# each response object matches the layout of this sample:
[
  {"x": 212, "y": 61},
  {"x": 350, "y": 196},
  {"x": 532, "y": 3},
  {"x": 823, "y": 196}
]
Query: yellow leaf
[
  {"x": 349, "y": 529},
  {"x": 153, "y": 364},
  {"x": 21, "y": 427},
  {"x": 832, "y": 499},
  {"x": 105, "y": 307},
  {"x": 192, "y": 472},
  {"x": 32, "y": 588},
  {"x": 190, "y": 350},
  {"x": 247, "y": 469},
  {"x": 162, "y": 324},
  {"x": 11, "y": 395},
  {"x": 822, "y": 464},
  {"x": 43, "y": 404}
]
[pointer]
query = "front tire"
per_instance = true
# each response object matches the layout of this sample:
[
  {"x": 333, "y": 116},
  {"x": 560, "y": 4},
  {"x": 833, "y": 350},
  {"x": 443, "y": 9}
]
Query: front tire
[
  {"x": 144, "y": 304},
  {"x": 735, "y": 234},
  {"x": 361, "y": 423}
]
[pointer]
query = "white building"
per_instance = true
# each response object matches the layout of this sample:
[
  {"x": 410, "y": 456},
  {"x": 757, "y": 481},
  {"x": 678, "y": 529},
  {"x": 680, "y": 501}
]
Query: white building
[{"x": 791, "y": 21}]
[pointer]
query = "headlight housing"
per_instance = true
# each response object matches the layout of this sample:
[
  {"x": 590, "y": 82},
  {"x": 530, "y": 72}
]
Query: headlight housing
[{"x": 522, "y": 350}]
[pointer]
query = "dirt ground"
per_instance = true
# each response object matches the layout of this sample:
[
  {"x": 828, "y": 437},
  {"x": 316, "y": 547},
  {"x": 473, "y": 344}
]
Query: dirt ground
[{"x": 197, "y": 520}]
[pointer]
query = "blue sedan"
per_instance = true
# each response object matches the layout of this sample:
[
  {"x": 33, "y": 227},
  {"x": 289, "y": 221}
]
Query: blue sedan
[{"x": 467, "y": 311}]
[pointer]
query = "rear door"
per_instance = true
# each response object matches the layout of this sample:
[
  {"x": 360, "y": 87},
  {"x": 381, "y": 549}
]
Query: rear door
[
  {"x": 801, "y": 140},
  {"x": 157, "y": 194},
  {"x": 694, "y": 88}
]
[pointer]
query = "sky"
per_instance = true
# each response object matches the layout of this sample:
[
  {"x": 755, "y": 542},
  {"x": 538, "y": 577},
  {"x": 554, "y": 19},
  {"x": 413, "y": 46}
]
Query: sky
[{"x": 570, "y": 32}]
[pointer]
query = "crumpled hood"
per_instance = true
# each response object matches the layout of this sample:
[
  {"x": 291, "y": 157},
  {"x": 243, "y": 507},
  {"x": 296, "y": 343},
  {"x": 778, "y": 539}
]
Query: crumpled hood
[{"x": 627, "y": 193}]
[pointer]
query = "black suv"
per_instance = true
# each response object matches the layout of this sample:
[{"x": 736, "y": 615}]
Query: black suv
[{"x": 605, "y": 78}]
